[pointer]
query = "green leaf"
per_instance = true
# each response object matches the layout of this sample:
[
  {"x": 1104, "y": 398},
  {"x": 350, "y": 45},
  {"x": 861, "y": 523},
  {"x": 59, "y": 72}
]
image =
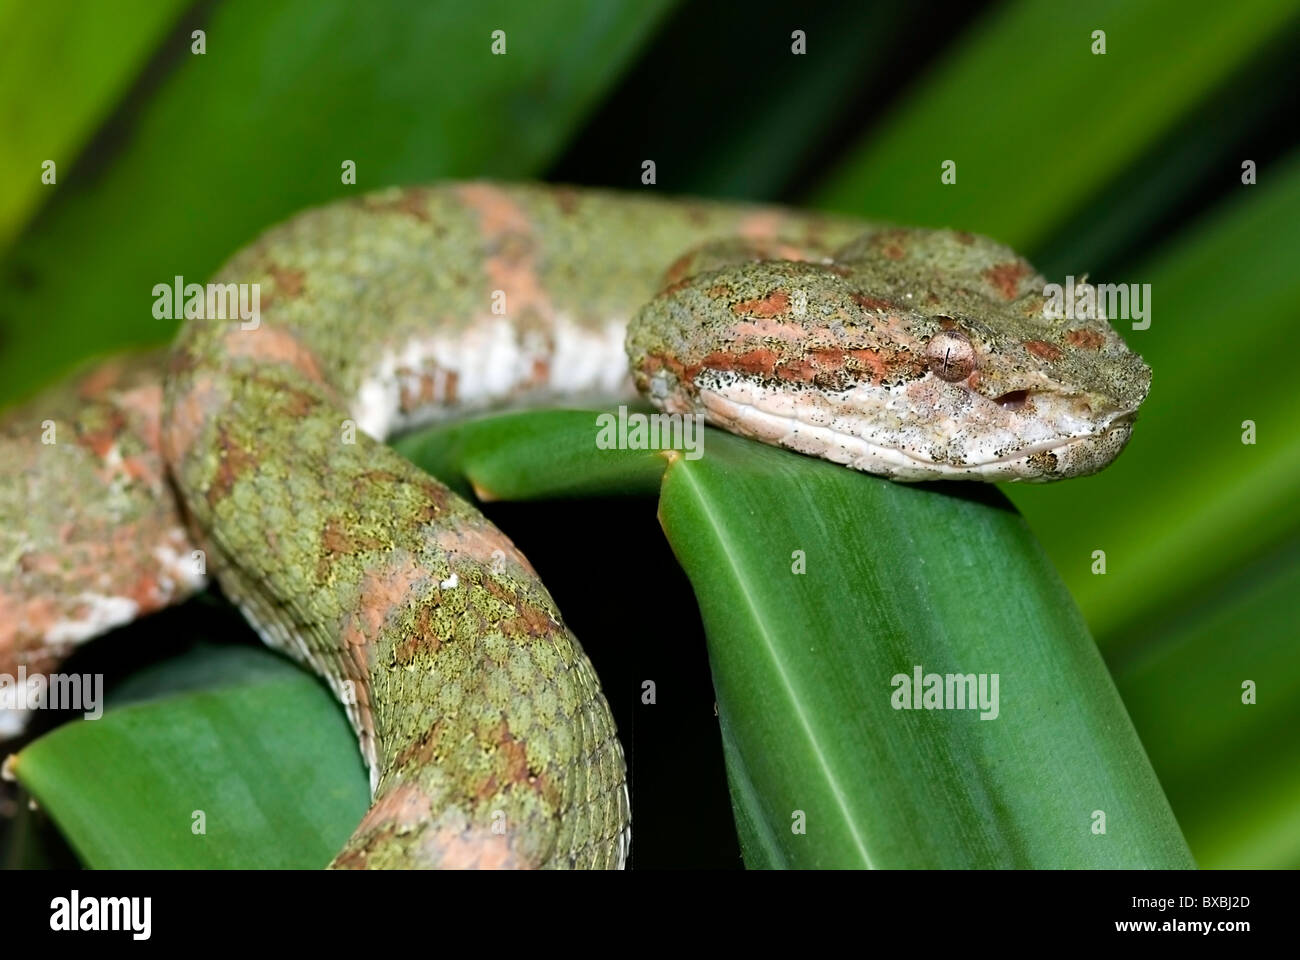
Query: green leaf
[
  {"x": 65, "y": 66},
  {"x": 532, "y": 456},
  {"x": 266, "y": 756},
  {"x": 940, "y": 578},
  {"x": 258, "y": 128},
  {"x": 1035, "y": 121}
]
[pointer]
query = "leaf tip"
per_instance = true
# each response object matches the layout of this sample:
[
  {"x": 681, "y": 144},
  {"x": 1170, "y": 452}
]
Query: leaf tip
[{"x": 482, "y": 494}]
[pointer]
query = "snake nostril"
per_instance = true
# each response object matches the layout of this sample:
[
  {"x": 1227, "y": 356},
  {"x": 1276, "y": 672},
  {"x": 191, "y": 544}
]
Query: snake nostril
[{"x": 1013, "y": 400}]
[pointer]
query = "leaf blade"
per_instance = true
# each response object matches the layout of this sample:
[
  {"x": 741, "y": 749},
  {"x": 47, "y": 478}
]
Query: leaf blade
[
  {"x": 269, "y": 760},
  {"x": 920, "y": 789}
]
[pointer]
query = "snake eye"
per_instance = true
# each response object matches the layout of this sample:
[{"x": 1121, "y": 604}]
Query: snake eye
[{"x": 950, "y": 355}]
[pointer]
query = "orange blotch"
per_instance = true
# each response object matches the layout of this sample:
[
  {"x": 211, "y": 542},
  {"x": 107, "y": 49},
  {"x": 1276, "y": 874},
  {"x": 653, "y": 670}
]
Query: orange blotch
[
  {"x": 763, "y": 329},
  {"x": 273, "y": 345},
  {"x": 1043, "y": 350},
  {"x": 773, "y": 305},
  {"x": 797, "y": 369},
  {"x": 474, "y": 848},
  {"x": 498, "y": 214},
  {"x": 288, "y": 282},
  {"x": 233, "y": 462},
  {"x": 892, "y": 244},
  {"x": 423, "y": 750},
  {"x": 677, "y": 272},
  {"x": 405, "y": 805},
  {"x": 382, "y": 592},
  {"x": 874, "y": 303},
  {"x": 1006, "y": 277},
  {"x": 1087, "y": 339},
  {"x": 427, "y": 388},
  {"x": 529, "y": 619},
  {"x": 831, "y": 360},
  {"x": 336, "y": 538},
  {"x": 415, "y": 202},
  {"x": 788, "y": 251},
  {"x": 512, "y": 267},
  {"x": 761, "y": 225},
  {"x": 103, "y": 377},
  {"x": 101, "y": 441},
  {"x": 483, "y": 544},
  {"x": 512, "y": 765},
  {"x": 20, "y": 618},
  {"x": 145, "y": 403},
  {"x": 760, "y": 360},
  {"x": 422, "y": 639}
]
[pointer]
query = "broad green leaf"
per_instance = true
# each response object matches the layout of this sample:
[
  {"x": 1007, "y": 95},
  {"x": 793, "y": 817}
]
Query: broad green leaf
[
  {"x": 65, "y": 65},
  {"x": 533, "y": 456},
  {"x": 946, "y": 579},
  {"x": 265, "y": 755},
  {"x": 1035, "y": 121},
  {"x": 259, "y": 127}
]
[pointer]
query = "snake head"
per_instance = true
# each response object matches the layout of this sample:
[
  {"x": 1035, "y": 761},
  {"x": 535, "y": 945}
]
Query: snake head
[{"x": 915, "y": 354}]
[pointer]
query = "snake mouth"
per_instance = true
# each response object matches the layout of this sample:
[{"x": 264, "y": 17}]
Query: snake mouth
[
  {"x": 1079, "y": 425},
  {"x": 1040, "y": 438},
  {"x": 1070, "y": 455},
  {"x": 1116, "y": 431}
]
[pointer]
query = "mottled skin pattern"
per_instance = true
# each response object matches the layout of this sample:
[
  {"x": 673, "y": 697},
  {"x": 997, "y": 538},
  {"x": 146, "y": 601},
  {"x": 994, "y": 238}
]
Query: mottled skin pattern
[
  {"x": 914, "y": 354},
  {"x": 489, "y": 741},
  {"x": 92, "y": 534}
]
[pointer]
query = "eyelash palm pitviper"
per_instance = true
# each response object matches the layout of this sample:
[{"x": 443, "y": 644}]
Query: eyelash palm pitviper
[{"x": 915, "y": 354}]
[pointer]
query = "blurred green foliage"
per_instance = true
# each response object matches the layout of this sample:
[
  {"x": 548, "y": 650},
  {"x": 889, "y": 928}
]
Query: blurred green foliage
[{"x": 66, "y": 65}]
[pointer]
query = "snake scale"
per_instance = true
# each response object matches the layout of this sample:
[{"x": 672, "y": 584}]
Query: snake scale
[{"x": 914, "y": 354}]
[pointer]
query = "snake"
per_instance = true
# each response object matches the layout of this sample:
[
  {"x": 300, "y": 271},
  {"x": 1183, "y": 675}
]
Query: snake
[{"x": 258, "y": 449}]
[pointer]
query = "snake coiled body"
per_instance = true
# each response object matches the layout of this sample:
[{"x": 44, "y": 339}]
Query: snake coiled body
[{"x": 489, "y": 741}]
